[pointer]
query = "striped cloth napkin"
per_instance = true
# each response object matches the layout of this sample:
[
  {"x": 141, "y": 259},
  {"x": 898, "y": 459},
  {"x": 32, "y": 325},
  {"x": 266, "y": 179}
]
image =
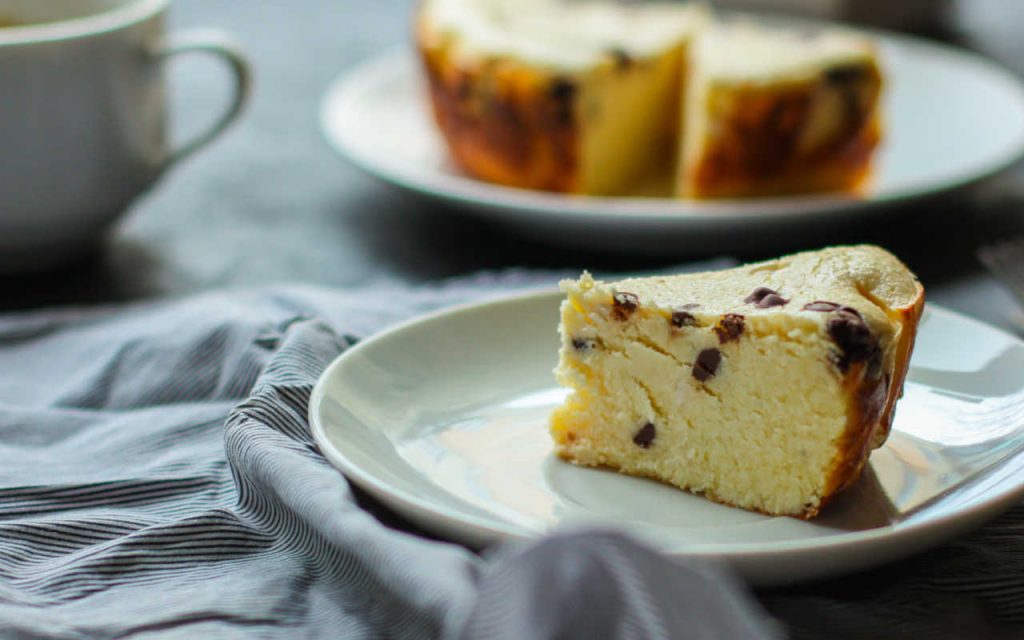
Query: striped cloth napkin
[{"x": 157, "y": 480}]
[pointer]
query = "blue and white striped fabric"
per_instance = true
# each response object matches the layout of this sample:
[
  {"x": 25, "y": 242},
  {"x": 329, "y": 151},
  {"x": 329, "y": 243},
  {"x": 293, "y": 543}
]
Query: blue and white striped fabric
[{"x": 157, "y": 479}]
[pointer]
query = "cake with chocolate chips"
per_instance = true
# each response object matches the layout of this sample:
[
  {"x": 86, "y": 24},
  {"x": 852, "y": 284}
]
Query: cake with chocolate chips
[
  {"x": 575, "y": 97},
  {"x": 773, "y": 111},
  {"x": 764, "y": 387},
  {"x": 608, "y": 97}
]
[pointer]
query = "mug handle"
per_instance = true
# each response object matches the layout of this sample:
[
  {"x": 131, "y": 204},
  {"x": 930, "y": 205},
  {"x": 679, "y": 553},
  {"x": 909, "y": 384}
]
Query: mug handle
[{"x": 220, "y": 45}]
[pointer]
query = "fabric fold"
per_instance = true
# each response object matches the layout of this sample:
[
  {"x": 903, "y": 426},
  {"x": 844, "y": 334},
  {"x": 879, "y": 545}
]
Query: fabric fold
[{"x": 158, "y": 479}]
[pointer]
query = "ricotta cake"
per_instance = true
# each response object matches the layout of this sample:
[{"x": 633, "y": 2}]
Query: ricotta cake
[
  {"x": 574, "y": 97},
  {"x": 764, "y": 387},
  {"x": 772, "y": 111},
  {"x": 610, "y": 97}
]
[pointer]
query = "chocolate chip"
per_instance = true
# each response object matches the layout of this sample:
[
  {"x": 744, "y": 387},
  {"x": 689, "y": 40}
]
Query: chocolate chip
[
  {"x": 624, "y": 304},
  {"x": 622, "y": 59},
  {"x": 853, "y": 337},
  {"x": 626, "y": 300},
  {"x": 821, "y": 305},
  {"x": 644, "y": 438},
  {"x": 850, "y": 311},
  {"x": 707, "y": 364},
  {"x": 563, "y": 89},
  {"x": 845, "y": 74},
  {"x": 682, "y": 319},
  {"x": 729, "y": 328},
  {"x": 681, "y": 316},
  {"x": 851, "y": 334},
  {"x": 583, "y": 344},
  {"x": 758, "y": 294},
  {"x": 763, "y": 298}
]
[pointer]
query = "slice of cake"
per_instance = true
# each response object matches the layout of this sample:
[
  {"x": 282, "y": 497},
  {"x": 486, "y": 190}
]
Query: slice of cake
[
  {"x": 576, "y": 97},
  {"x": 764, "y": 387},
  {"x": 773, "y": 111}
]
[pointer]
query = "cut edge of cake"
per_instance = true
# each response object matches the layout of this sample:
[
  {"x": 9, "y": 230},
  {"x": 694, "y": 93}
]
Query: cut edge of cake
[
  {"x": 695, "y": 354},
  {"x": 596, "y": 114},
  {"x": 772, "y": 111}
]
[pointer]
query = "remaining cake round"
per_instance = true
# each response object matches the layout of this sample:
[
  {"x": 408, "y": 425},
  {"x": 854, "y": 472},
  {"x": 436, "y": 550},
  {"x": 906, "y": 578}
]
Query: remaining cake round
[
  {"x": 577, "y": 97},
  {"x": 764, "y": 387},
  {"x": 648, "y": 98},
  {"x": 773, "y": 111}
]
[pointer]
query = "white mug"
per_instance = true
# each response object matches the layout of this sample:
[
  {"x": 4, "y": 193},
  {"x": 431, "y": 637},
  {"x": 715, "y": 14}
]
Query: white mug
[{"x": 83, "y": 118}]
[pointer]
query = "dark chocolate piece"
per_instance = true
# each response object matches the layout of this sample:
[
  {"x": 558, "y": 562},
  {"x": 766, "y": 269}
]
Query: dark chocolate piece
[
  {"x": 853, "y": 337},
  {"x": 563, "y": 89},
  {"x": 624, "y": 304},
  {"x": 846, "y": 73},
  {"x": 821, "y": 305},
  {"x": 763, "y": 298},
  {"x": 563, "y": 92},
  {"x": 583, "y": 344},
  {"x": 681, "y": 316},
  {"x": 772, "y": 300},
  {"x": 729, "y": 328},
  {"x": 707, "y": 364},
  {"x": 644, "y": 438},
  {"x": 757, "y": 295}
]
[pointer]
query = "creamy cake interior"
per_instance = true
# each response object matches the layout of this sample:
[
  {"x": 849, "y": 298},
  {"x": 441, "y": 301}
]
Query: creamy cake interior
[
  {"x": 772, "y": 111},
  {"x": 763, "y": 387}
]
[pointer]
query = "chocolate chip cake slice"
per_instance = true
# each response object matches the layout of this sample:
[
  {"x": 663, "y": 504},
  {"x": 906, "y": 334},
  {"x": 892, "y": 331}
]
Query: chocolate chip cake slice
[{"x": 764, "y": 387}]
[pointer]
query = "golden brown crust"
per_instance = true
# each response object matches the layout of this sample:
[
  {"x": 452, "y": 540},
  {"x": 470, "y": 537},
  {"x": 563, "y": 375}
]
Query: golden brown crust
[
  {"x": 909, "y": 317},
  {"x": 760, "y": 150},
  {"x": 504, "y": 122},
  {"x": 863, "y": 422},
  {"x": 873, "y": 405}
]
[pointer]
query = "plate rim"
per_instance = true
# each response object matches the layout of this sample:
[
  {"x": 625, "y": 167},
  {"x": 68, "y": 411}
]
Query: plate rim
[
  {"x": 470, "y": 192},
  {"x": 489, "y": 531}
]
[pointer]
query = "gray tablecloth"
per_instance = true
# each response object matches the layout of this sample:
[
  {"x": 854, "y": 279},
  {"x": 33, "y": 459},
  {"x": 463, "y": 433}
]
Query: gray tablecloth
[{"x": 157, "y": 479}]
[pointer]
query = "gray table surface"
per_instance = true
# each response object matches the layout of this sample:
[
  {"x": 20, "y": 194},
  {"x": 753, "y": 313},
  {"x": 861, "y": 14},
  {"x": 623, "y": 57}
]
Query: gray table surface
[{"x": 271, "y": 203}]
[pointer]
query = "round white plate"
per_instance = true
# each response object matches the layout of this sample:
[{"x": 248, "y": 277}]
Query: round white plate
[
  {"x": 444, "y": 419},
  {"x": 952, "y": 118}
]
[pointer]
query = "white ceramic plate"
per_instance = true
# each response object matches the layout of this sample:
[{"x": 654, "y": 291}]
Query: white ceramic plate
[
  {"x": 444, "y": 419},
  {"x": 953, "y": 118}
]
